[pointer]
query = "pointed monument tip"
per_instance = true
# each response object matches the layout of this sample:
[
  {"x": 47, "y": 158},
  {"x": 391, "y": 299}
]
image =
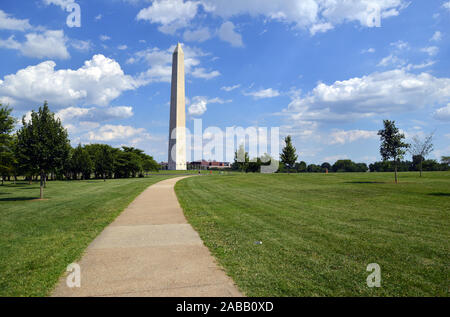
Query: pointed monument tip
[{"x": 178, "y": 48}]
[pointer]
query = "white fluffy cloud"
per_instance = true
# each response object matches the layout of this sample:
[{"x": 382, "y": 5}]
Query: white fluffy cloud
[
  {"x": 94, "y": 114},
  {"x": 7, "y": 22},
  {"x": 199, "y": 105},
  {"x": 316, "y": 15},
  {"x": 108, "y": 133},
  {"x": 99, "y": 81},
  {"x": 263, "y": 93},
  {"x": 61, "y": 3},
  {"x": 200, "y": 72},
  {"x": 228, "y": 34},
  {"x": 320, "y": 28},
  {"x": 377, "y": 93},
  {"x": 446, "y": 5},
  {"x": 343, "y": 137},
  {"x": 437, "y": 36},
  {"x": 369, "y": 50},
  {"x": 160, "y": 64},
  {"x": 443, "y": 114},
  {"x": 431, "y": 50},
  {"x": 170, "y": 14},
  {"x": 199, "y": 35},
  {"x": 49, "y": 44}
]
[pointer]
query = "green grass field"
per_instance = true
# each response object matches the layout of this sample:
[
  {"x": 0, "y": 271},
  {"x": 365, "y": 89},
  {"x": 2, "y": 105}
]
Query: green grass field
[
  {"x": 319, "y": 232},
  {"x": 39, "y": 238}
]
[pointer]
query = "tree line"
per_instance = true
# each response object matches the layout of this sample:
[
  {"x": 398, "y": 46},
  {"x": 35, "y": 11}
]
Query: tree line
[
  {"x": 392, "y": 150},
  {"x": 41, "y": 150}
]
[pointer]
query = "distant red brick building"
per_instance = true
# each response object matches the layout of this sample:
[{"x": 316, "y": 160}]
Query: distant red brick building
[{"x": 201, "y": 165}]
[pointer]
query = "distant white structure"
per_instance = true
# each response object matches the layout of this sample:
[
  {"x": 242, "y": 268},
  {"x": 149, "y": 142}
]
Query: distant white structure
[{"x": 177, "y": 132}]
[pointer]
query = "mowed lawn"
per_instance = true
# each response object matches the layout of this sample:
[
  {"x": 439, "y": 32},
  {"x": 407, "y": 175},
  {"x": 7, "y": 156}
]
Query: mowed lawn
[
  {"x": 38, "y": 239},
  {"x": 319, "y": 232}
]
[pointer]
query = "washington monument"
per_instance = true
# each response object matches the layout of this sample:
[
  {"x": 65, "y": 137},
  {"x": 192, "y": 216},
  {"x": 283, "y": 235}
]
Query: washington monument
[{"x": 177, "y": 132}]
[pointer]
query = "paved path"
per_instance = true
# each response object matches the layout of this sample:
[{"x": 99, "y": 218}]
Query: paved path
[{"x": 150, "y": 250}]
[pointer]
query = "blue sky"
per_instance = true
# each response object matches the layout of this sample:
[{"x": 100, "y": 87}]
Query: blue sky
[{"x": 320, "y": 70}]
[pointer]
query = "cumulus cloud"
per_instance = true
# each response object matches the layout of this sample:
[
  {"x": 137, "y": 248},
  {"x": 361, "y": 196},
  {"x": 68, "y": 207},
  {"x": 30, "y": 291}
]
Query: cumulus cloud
[
  {"x": 160, "y": 64},
  {"x": 320, "y": 28},
  {"x": 446, "y": 5},
  {"x": 199, "y": 35},
  {"x": 199, "y": 104},
  {"x": 98, "y": 82},
  {"x": 108, "y": 133},
  {"x": 94, "y": 114},
  {"x": 443, "y": 114},
  {"x": 437, "y": 36},
  {"x": 198, "y": 107},
  {"x": 49, "y": 44},
  {"x": 171, "y": 15},
  {"x": 61, "y": 3},
  {"x": 431, "y": 50},
  {"x": 315, "y": 15},
  {"x": 369, "y": 50},
  {"x": 228, "y": 34},
  {"x": 263, "y": 93},
  {"x": 377, "y": 93},
  {"x": 205, "y": 74},
  {"x": 343, "y": 137},
  {"x": 7, "y": 22}
]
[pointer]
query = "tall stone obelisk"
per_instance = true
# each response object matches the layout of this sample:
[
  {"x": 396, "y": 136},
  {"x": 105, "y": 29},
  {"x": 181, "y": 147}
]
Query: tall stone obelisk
[{"x": 177, "y": 132}]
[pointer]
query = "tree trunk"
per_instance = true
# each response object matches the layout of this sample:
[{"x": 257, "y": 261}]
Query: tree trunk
[
  {"x": 420, "y": 168},
  {"x": 2, "y": 180},
  {"x": 42, "y": 186},
  {"x": 395, "y": 169}
]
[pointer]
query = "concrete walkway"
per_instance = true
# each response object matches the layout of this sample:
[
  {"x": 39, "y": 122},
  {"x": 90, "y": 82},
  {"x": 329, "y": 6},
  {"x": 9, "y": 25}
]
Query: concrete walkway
[{"x": 150, "y": 250}]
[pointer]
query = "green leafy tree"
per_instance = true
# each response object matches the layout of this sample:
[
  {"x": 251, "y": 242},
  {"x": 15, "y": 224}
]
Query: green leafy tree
[
  {"x": 420, "y": 149},
  {"x": 326, "y": 166},
  {"x": 81, "y": 163},
  {"x": 392, "y": 145},
  {"x": 445, "y": 160},
  {"x": 301, "y": 167},
  {"x": 43, "y": 143},
  {"x": 7, "y": 158},
  {"x": 149, "y": 164},
  {"x": 104, "y": 161},
  {"x": 288, "y": 156},
  {"x": 128, "y": 164},
  {"x": 146, "y": 162},
  {"x": 241, "y": 159},
  {"x": 313, "y": 168}
]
